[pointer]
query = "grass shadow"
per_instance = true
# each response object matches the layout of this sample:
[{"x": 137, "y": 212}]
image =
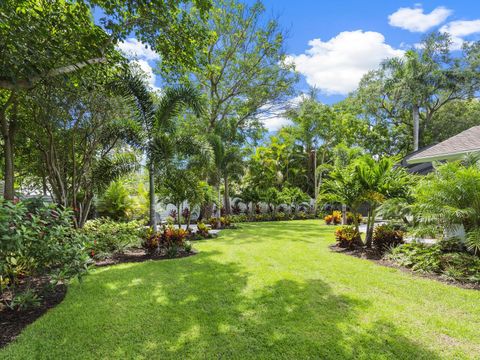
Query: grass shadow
[{"x": 199, "y": 307}]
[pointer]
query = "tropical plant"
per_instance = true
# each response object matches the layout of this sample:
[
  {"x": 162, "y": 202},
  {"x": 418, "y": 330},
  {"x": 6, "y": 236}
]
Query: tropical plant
[
  {"x": 42, "y": 243},
  {"x": 386, "y": 237},
  {"x": 449, "y": 198},
  {"x": 347, "y": 236},
  {"x": 380, "y": 180},
  {"x": 108, "y": 237},
  {"x": 156, "y": 116},
  {"x": 115, "y": 202}
]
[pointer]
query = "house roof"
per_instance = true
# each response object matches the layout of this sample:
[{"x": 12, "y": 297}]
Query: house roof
[{"x": 451, "y": 149}]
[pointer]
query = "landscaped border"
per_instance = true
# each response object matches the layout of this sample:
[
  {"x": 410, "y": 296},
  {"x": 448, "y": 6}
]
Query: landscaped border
[{"x": 377, "y": 258}]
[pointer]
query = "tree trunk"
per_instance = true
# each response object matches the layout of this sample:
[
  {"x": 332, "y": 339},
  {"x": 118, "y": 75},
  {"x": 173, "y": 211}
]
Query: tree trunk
[
  {"x": 226, "y": 196},
  {"x": 370, "y": 226},
  {"x": 416, "y": 126},
  {"x": 9, "y": 176},
  {"x": 344, "y": 214},
  {"x": 8, "y": 128},
  {"x": 179, "y": 211},
  {"x": 151, "y": 194},
  {"x": 219, "y": 224}
]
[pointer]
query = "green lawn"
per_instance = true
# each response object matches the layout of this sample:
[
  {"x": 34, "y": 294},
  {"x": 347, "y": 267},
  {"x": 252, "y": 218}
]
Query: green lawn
[{"x": 266, "y": 290}]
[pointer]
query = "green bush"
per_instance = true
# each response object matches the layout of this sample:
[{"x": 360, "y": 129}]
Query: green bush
[
  {"x": 459, "y": 266},
  {"x": 386, "y": 237},
  {"x": 108, "y": 236},
  {"x": 38, "y": 243},
  {"x": 116, "y": 202},
  {"x": 418, "y": 257}
]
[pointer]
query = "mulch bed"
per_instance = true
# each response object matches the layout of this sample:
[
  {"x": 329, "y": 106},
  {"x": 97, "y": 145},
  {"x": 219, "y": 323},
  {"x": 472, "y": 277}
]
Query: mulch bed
[
  {"x": 12, "y": 322},
  {"x": 139, "y": 255},
  {"x": 377, "y": 257}
]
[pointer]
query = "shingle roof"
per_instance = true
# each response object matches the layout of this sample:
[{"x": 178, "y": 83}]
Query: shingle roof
[{"x": 465, "y": 142}]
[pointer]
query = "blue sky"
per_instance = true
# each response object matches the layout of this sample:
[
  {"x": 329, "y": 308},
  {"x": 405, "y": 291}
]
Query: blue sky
[{"x": 333, "y": 43}]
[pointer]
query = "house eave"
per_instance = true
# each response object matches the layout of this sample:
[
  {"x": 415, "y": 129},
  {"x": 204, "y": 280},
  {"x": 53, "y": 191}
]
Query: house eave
[{"x": 448, "y": 157}]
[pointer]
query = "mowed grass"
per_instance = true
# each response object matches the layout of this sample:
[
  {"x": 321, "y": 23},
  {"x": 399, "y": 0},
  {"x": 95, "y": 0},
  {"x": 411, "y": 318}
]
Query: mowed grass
[{"x": 263, "y": 291}]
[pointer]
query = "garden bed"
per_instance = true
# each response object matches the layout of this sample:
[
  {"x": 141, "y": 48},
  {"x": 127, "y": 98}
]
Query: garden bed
[
  {"x": 139, "y": 255},
  {"x": 378, "y": 258},
  {"x": 12, "y": 322}
]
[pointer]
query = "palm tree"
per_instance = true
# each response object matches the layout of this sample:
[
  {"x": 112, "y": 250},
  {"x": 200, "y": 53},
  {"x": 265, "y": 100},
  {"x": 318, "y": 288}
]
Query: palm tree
[
  {"x": 156, "y": 118},
  {"x": 344, "y": 187},
  {"x": 379, "y": 180},
  {"x": 228, "y": 162}
]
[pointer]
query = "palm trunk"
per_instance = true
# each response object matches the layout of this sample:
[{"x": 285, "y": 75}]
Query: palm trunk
[
  {"x": 219, "y": 224},
  {"x": 226, "y": 196},
  {"x": 416, "y": 126},
  {"x": 151, "y": 194},
  {"x": 370, "y": 226}
]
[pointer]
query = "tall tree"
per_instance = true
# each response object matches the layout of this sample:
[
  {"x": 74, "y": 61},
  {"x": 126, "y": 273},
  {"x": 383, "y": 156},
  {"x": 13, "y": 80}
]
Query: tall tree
[
  {"x": 42, "y": 39},
  {"x": 243, "y": 74},
  {"x": 156, "y": 118},
  {"x": 80, "y": 131},
  {"x": 422, "y": 82}
]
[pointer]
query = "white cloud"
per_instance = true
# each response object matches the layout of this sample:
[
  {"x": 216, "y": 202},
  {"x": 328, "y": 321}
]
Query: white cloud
[
  {"x": 415, "y": 20},
  {"x": 337, "y": 65},
  {"x": 459, "y": 29},
  {"x": 274, "y": 119},
  {"x": 134, "y": 48},
  {"x": 147, "y": 69},
  {"x": 141, "y": 56}
]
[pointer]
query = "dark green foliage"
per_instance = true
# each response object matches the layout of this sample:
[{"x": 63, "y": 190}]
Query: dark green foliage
[
  {"x": 108, "y": 237},
  {"x": 38, "y": 243},
  {"x": 459, "y": 266},
  {"x": 115, "y": 202}
]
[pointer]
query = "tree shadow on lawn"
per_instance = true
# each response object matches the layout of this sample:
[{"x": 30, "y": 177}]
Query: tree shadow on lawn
[{"x": 201, "y": 308}]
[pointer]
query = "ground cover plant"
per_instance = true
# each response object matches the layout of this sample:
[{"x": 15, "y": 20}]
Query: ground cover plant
[{"x": 264, "y": 290}]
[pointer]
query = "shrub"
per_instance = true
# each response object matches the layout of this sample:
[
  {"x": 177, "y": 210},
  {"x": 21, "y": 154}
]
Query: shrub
[
  {"x": 350, "y": 218},
  {"x": 239, "y": 218},
  {"x": 236, "y": 210},
  {"x": 202, "y": 230},
  {"x": 36, "y": 244},
  {"x": 337, "y": 217},
  {"x": 347, "y": 236},
  {"x": 164, "y": 241},
  {"x": 302, "y": 215},
  {"x": 460, "y": 266},
  {"x": 225, "y": 221},
  {"x": 108, "y": 236},
  {"x": 328, "y": 219},
  {"x": 386, "y": 236},
  {"x": 213, "y": 221},
  {"x": 115, "y": 202},
  {"x": 280, "y": 216}
]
